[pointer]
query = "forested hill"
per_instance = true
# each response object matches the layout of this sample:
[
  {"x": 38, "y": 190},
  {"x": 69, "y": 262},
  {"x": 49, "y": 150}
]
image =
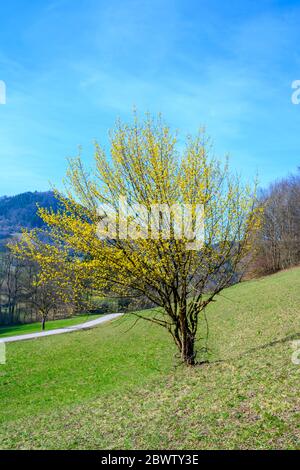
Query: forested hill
[{"x": 21, "y": 211}]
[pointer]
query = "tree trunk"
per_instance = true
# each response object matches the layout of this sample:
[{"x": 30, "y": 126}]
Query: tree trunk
[
  {"x": 187, "y": 338},
  {"x": 188, "y": 349},
  {"x": 43, "y": 324}
]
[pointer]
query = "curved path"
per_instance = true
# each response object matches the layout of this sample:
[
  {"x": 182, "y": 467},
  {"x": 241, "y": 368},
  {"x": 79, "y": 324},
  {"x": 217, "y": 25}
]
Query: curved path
[{"x": 59, "y": 331}]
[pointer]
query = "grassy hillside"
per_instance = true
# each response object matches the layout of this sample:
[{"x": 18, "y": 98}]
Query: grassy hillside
[{"x": 121, "y": 387}]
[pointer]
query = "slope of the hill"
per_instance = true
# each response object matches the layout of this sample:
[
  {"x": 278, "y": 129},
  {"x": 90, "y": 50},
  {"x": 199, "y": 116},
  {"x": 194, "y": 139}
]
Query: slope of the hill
[
  {"x": 121, "y": 387},
  {"x": 20, "y": 211}
]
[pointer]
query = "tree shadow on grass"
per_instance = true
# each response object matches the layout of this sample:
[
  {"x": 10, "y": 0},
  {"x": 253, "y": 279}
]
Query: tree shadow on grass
[{"x": 288, "y": 338}]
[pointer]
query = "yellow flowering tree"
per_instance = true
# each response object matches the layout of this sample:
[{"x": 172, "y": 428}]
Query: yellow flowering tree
[
  {"x": 154, "y": 218},
  {"x": 51, "y": 282}
]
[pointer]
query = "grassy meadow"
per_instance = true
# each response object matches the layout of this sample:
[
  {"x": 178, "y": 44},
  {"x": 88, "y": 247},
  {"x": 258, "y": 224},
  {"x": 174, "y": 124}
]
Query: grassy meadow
[{"x": 121, "y": 386}]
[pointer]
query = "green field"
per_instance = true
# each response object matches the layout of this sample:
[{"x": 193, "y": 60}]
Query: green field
[
  {"x": 6, "y": 331},
  {"x": 121, "y": 387}
]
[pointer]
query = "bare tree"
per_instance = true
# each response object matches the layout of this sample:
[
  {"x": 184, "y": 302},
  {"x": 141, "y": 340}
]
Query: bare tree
[{"x": 278, "y": 240}]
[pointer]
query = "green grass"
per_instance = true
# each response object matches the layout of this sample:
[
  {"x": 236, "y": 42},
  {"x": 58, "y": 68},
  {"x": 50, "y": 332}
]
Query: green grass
[
  {"x": 13, "y": 330},
  {"x": 121, "y": 387}
]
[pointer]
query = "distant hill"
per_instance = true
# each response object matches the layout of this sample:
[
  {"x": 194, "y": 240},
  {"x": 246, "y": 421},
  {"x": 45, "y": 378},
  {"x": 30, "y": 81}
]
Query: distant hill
[{"x": 21, "y": 211}]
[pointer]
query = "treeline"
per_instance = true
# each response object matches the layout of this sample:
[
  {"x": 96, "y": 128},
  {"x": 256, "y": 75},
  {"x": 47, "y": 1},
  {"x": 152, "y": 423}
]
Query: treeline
[
  {"x": 278, "y": 241},
  {"x": 23, "y": 299}
]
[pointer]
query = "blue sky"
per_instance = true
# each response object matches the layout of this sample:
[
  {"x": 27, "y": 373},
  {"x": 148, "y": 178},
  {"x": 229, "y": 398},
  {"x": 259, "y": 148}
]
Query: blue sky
[{"x": 72, "y": 66}]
